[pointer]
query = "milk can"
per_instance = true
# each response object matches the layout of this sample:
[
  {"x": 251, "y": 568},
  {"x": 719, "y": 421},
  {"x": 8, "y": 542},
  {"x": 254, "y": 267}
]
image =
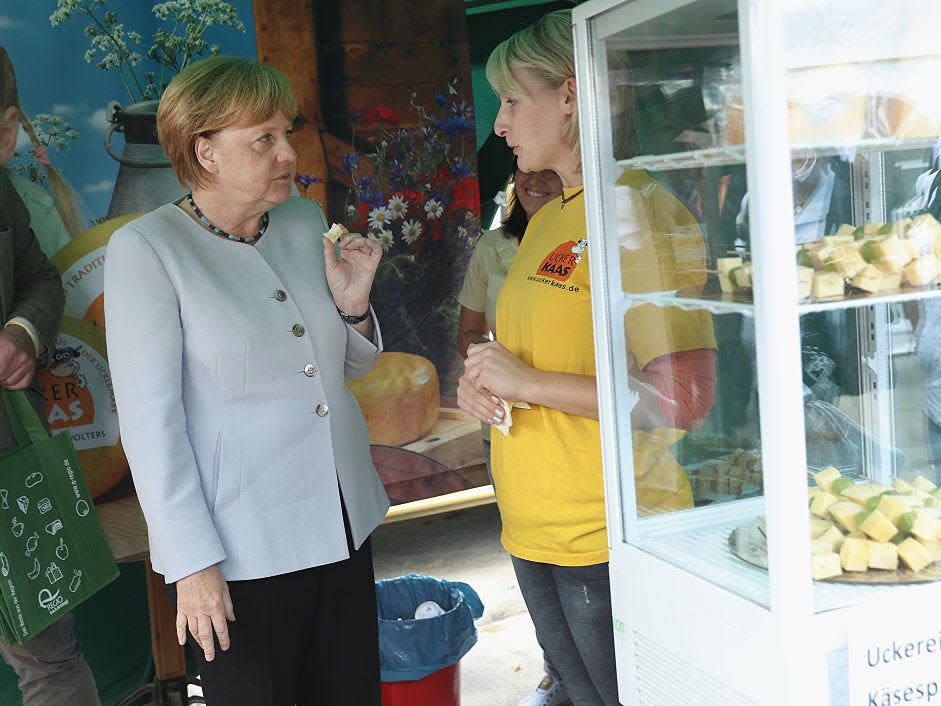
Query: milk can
[{"x": 145, "y": 179}]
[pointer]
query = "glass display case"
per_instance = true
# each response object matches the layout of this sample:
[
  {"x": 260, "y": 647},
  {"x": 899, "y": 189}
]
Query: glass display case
[{"x": 762, "y": 193}]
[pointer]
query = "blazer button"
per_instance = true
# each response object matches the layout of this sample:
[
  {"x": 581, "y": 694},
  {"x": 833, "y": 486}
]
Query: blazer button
[
  {"x": 280, "y": 295},
  {"x": 310, "y": 370},
  {"x": 297, "y": 330},
  {"x": 323, "y": 410}
]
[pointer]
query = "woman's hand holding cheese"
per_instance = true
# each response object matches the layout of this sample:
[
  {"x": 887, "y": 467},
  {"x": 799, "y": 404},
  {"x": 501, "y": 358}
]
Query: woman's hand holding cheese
[{"x": 350, "y": 274}]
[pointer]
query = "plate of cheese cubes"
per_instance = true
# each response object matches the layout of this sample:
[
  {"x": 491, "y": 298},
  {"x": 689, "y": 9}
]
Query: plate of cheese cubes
[{"x": 862, "y": 532}]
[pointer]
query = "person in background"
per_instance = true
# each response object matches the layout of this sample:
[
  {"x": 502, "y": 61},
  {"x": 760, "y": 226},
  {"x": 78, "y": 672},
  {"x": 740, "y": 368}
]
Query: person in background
[
  {"x": 478, "y": 299},
  {"x": 547, "y": 471},
  {"x": 45, "y": 220},
  {"x": 51, "y": 668},
  {"x": 233, "y": 326}
]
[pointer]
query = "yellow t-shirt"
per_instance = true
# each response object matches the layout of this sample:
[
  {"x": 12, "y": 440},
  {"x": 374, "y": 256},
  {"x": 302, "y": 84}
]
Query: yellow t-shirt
[{"x": 547, "y": 472}]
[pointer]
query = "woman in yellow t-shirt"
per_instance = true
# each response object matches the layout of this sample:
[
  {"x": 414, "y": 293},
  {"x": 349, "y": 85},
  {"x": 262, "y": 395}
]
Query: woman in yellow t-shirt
[
  {"x": 483, "y": 280},
  {"x": 547, "y": 470}
]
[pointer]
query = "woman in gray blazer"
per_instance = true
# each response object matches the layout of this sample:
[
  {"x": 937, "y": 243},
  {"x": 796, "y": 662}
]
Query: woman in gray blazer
[{"x": 232, "y": 327}]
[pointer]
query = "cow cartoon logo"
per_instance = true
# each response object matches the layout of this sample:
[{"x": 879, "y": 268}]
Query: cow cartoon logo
[{"x": 68, "y": 400}]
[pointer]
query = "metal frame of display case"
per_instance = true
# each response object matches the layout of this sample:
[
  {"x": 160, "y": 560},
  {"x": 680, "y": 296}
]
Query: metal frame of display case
[{"x": 694, "y": 624}]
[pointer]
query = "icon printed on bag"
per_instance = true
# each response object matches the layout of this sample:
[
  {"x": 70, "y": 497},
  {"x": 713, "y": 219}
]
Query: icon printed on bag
[
  {"x": 35, "y": 572},
  {"x": 34, "y": 478},
  {"x": 17, "y": 527},
  {"x": 81, "y": 508},
  {"x": 4, "y": 564},
  {"x": 76, "y": 580},
  {"x": 51, "y": 601},
  {"x": 44, "y": 505},
  {"x": 32, "y": 543},
  {"x": 54, "y": 527},
  {"x": 23, "y": 503},
  {"x": 62, "y": 551},
  {"x": 53, "y": 573},
  {"x": 4, "y": 501}
]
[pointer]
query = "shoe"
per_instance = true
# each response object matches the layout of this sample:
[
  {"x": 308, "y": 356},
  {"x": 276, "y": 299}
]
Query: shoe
[{"x": 550, "y": 692}]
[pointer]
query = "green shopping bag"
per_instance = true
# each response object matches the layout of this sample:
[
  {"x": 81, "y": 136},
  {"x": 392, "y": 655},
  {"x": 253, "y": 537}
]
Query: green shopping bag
[{"x": 53, "y": 551}]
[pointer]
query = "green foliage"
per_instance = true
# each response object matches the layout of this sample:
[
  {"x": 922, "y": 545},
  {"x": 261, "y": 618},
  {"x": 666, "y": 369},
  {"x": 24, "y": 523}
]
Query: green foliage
[{"x": 176, "y": 44}]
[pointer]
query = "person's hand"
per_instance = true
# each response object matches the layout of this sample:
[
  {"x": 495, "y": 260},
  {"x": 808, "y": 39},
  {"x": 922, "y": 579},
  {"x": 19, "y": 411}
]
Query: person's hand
[
  {"x": 490, "y": 372},
  {"x": 203, "y": 606},
  {"x": 42, "y": 156},
  {"x": 350, "y": 276},
  {"x": 17, "y": 358}
]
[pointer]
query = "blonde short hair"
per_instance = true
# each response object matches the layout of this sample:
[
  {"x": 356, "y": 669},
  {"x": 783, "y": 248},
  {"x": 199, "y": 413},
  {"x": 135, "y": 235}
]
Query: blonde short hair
[
  {"x": 211, "y": 95},
  {"x": 547, "y": 50}
]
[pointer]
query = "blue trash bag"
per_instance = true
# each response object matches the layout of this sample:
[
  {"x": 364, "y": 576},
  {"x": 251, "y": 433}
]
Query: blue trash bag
[{"x": 411, "y": 649}]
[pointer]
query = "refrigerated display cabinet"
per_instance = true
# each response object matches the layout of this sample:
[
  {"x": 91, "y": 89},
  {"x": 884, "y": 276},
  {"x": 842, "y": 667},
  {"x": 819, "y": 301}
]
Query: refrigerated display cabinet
[{"x": 799, "y": 138}]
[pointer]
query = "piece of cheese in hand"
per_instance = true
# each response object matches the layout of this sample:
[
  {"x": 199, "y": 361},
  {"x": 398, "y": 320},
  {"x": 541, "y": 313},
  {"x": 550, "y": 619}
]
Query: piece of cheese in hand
[
  {"x": 507, "y": 422},
  {"x": 336, "y": 230}
]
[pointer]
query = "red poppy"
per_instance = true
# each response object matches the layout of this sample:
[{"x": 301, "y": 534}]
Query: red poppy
[
  {"x": 380, "y": 114},
  {"x": 467, "y": 194}
]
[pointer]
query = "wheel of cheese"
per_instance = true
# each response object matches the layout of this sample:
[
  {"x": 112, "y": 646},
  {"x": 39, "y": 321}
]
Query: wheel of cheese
[
  {"x": 80, "y": 402},
  {"x": 399, "y": 398},
  {"x": 81, "y": 264}
]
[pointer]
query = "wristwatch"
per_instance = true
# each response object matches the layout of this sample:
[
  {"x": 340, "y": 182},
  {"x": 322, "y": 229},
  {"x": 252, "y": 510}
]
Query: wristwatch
[{"x": 350, "y": 319}]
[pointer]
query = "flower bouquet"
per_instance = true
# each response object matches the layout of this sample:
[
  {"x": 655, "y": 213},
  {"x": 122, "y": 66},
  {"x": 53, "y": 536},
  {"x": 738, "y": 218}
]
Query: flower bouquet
[{"x": 414, "y": 192}]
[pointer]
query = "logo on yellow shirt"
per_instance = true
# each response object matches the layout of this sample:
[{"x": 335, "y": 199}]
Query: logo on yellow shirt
[{"x": 561, "y": 262}]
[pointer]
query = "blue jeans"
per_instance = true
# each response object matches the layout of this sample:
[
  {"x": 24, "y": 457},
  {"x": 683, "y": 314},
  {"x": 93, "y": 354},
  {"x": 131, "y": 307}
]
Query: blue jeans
[{"x": 571, "y": 609}]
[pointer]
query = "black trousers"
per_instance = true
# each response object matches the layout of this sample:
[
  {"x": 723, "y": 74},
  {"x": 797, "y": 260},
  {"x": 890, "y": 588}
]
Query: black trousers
[{"x": 308, "y": 638}]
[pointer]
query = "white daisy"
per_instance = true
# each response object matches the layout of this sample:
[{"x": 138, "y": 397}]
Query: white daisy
[
  {"x": 383, "y": 237},
  {"x": 433, "y": 208},
  {"x": 379, "y": 217},
  {"x": 411, "y": 231},
  {"x": 397, "y": 207}
]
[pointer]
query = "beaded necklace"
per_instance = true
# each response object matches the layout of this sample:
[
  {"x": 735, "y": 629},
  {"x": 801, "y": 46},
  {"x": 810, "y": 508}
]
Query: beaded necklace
[{"x": 216, "y": 230}]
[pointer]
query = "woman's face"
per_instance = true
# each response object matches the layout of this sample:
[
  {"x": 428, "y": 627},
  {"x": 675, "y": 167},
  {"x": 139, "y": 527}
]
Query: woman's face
[
  {"x": 254, "y": 163},
  {"x": 533, "y": 124},
  {"x": 534, "y": 190}
]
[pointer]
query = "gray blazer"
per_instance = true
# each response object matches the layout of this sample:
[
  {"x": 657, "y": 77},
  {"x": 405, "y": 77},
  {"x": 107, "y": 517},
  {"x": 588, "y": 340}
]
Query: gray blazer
[{"x": 229, "y": 365}]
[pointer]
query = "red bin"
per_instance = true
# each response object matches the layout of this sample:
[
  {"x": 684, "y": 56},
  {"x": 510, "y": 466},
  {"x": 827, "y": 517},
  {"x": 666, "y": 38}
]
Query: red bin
[{"x": 440, "y": 688}]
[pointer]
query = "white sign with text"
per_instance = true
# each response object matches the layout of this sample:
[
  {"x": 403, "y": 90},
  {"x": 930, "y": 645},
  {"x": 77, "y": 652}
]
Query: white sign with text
[{"x": 895, "y": 656}]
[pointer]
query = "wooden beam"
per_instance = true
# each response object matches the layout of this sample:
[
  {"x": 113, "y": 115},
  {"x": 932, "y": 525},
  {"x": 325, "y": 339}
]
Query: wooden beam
[{"x": 285, "y": 39}]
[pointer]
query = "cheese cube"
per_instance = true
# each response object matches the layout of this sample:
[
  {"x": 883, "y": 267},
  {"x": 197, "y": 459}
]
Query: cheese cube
[
  {"x": 846, "y": 259},
  {"x": 926, "y": 526},
  {"x": 824, "y": 478},
  {"x": 725, "y": 265},
  {"x": 892, "y": 507},
  {"x": 869, "y": 279},
  {"x": 805, "y": 281},
  {"x": 902, "y": 486},
  {"x": 834, "y": 537},
  {"x": 891, "y": 254},
  {"x": 740, "y": 277},
  {"x": 920, "y": 271},
  {"x": 845, "y": 512},
  {"x": 860, "y": 493},
  {"x": 878, "y": 527},
  {"x": 822, "y": 545},
  {"x": 818, "y": 526},
  {"x": 854, "y": 554},
  {"x": 922, "y": 483},
  {"x": 846, "y": 229},
  {"x": 934, "y": 548},
  {"x": 827, "y": 284},
  {"x": 914, "y": 554},
  {"x": 824, "y": 566},
  {"x": 883, "y": 555},
  {"x": 821, "y": 503}
]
